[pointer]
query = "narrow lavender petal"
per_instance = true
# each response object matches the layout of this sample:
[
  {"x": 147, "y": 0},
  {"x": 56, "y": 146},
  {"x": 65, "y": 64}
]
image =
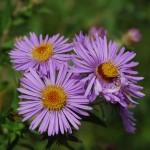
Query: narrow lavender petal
[
  {"x": 80, "y": 106},
  {"x": 29, "y": 97},
  {"x": 90, "y": 86},
  {"x": 62, "y": 74},
  {"x": 44, "y": 124},
  {"x": 30, "y": 109},
  {"x": 53, "y": 38},
  {"x": 51, "y": 125},
  {"x": 52, "y": 72},
  {"x": 60, "y": 124},
  {"x": 71, "y": 120},
  {"x": 35, "y": 75},
  {"x": 128, "y": 120},
  {"x": 37, "y": 120},
  {"x": 65, "y": 121},
  {"x": 31, "y": 114},
  {"x": 28, "y": 92},
  {"x": 79, "y": 111},
  {"x": 56, "y": 123},
  {"x": 71, "y": 112}
]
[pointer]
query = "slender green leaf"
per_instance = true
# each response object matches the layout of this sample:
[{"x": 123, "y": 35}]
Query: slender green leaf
[
  {"x": 74, "y": 139},
  {"x": 5, "y": 16},
  {"x": 94, "y": 119}
]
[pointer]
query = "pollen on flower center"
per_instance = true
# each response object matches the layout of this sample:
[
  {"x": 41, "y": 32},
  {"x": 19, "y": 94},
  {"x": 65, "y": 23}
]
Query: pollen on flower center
[
  {"x": 54, "y": 97},
  {"x": 107, "y": 71},
  {"x": 42, "y": 52}
]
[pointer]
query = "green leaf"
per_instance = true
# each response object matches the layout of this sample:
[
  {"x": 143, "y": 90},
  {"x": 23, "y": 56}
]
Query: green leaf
[
  {"x": 12, "y": 137},
  {"x": 50, "y": 142},
  {"x": 18, "y": 21},
  {"x": 14, "y": 117},
  {"x": 45, "y": 10},
  {"x": 12, "y": 144},
  {"x": 7, "y": 45},
  {"x": 5, "y": 16},
  {"x": 74, "y": 139},
  {"x": 61, "y": 140},
  {"x": 26, "y": 12},
  {"x": 68, "y": 146},
  {"x": 27, "y": 146},
  {"x": 94, "y": 119}
]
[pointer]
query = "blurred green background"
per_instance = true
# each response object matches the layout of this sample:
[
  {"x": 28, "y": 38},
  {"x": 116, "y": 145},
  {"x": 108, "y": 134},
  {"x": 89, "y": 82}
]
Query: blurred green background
[{"x": 68, "y": 17}]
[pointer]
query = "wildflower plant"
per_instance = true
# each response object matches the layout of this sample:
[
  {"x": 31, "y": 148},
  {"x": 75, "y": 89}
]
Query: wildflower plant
[
  {"x": 55, "y": 96},
  {"x": 35, "y": 52},
  {"x": 55, "y": 103},
  {"x": 109, "y": 71}
]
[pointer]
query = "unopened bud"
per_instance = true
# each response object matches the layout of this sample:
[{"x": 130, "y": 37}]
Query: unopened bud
[
  {"x": 100, "y": 31},
  {"x": 132, "y": 36}
]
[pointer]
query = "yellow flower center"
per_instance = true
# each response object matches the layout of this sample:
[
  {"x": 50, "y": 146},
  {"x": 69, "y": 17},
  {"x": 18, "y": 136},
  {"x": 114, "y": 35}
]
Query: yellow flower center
[
  {"x": 107, "y": 71},
  {"x": 42, "y": 52},
  {"x": 54, "y": 98}
]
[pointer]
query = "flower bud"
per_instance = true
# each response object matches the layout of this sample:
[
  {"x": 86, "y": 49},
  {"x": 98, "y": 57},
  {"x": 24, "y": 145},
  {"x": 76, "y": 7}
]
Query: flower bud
[
  {"x": 100, "y": 31},
  {"x": 132, "y": 36}
]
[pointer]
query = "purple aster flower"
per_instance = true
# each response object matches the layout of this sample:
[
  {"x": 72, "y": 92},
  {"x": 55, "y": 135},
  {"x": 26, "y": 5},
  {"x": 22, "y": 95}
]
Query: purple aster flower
[
  {"x": 128, "y": 119},
  {"x": 100, "y": 31},
  {"x": 36, "y": 52},
  {"x": 132, "y": 36},
  {"x": 54, "y": 103},
  {"x": 107, "y": 71}
]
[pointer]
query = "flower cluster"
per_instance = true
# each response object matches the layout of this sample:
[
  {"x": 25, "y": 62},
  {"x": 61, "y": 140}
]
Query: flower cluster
[{"x": 55, "y": 96}]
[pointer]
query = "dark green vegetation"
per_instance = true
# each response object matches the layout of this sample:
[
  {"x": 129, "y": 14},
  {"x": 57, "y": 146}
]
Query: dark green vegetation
[{"x": 18, "y": 17}]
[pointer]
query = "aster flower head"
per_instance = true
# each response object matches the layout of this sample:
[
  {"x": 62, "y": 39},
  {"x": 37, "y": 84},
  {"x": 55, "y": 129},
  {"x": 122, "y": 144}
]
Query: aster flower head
[
  {"x": 36, "y": 52},
  {"x": 100, "y": 31},
  {"x": 109, "y": 71},
  {"x": 54, "y": 103}
]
